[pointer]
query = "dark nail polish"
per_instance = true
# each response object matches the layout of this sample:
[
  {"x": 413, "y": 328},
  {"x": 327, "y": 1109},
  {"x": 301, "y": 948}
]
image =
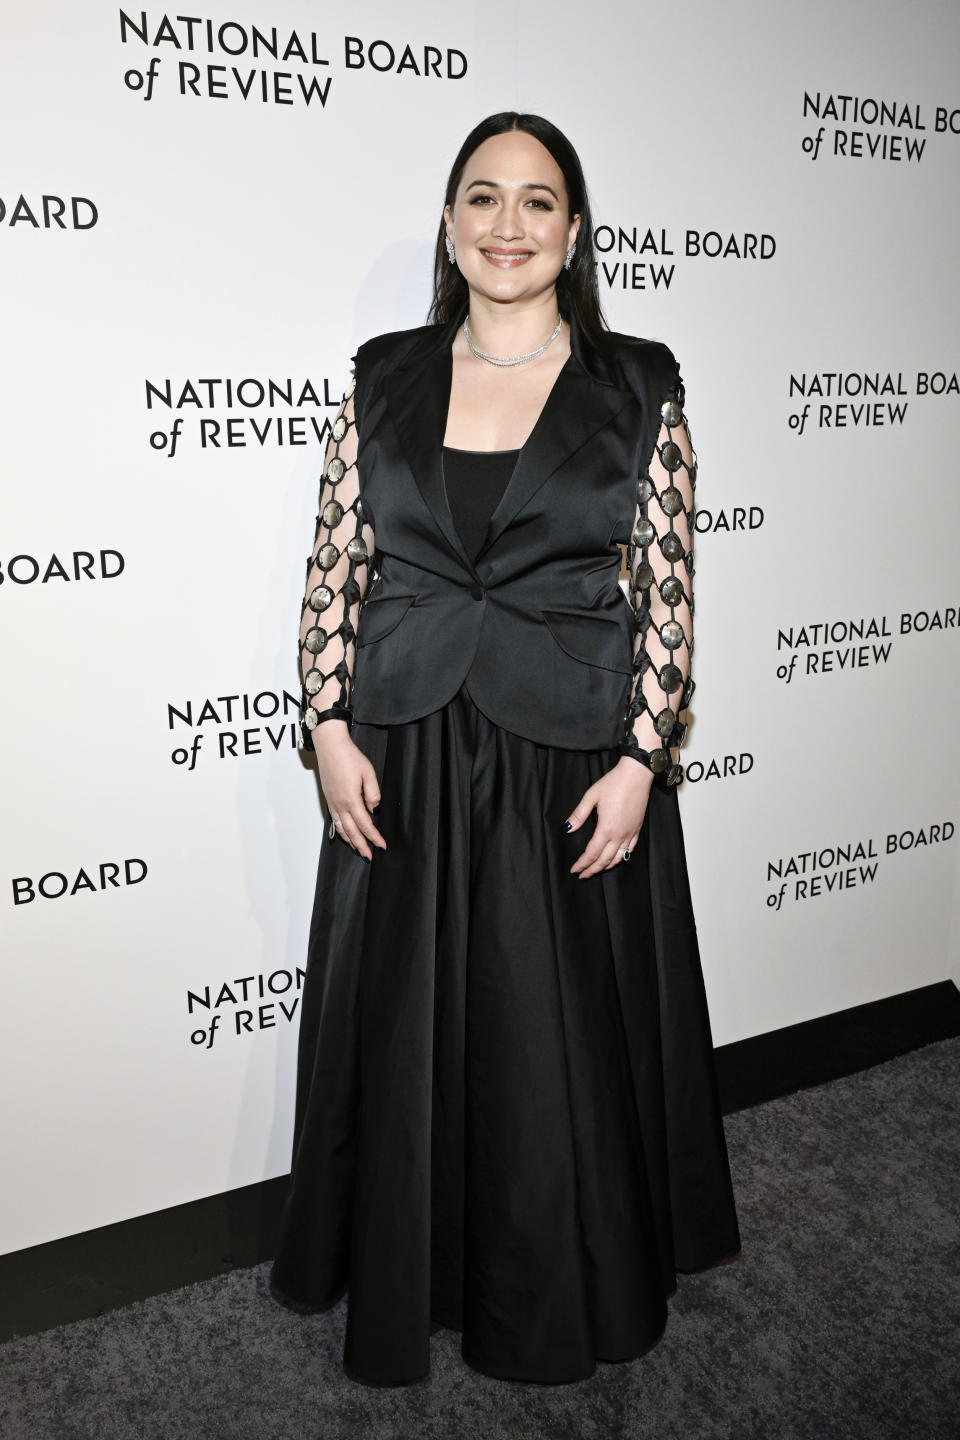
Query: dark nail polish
[
  {"x": 375, "y": 810},
  {"x": 567, "y": 825},
  {"x": 366, "y": 859}
]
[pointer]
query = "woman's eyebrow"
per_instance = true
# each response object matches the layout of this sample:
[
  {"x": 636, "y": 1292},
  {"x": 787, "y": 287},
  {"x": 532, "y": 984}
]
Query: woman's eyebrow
[{"x": 530, "y": 185}]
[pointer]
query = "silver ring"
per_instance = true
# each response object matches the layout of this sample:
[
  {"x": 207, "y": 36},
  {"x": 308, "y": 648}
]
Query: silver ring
[{"x": 626, "y": 854}]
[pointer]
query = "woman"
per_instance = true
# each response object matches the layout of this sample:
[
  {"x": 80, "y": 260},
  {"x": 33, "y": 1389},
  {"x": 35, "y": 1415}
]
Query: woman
[{"x": 506, "y": 1117}]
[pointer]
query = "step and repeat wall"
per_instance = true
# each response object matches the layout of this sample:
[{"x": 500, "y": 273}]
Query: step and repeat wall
[{"x": 201, "y": 216}]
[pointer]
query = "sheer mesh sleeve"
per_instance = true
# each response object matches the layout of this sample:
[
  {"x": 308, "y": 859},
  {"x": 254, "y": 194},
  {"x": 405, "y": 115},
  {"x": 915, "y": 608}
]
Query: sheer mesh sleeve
[
  {"x": 337, "y": 573},
  {"x": 660, "y": 589}
]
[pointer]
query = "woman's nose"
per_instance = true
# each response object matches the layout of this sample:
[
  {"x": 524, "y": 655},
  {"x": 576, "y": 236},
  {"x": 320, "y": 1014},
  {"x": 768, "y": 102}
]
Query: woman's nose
[{"x": 509, "y": 225}]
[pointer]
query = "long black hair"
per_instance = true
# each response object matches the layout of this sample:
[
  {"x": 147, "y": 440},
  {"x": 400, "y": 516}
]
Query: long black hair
[{"x": 577, "y": 293}]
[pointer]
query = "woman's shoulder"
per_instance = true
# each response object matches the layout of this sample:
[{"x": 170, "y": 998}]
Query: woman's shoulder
[
  {"x": 393, "y": 346},
  {"x": 641, "y": 365},
  {"x": 377, "y": 358},
  {"x": 639, "y": 352}
]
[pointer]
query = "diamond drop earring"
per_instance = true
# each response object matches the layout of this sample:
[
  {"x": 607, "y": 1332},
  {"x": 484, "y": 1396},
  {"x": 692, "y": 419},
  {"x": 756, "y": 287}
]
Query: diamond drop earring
[
  {"x": 570, "y": 254},
  {"x": 451, "y": 253}
]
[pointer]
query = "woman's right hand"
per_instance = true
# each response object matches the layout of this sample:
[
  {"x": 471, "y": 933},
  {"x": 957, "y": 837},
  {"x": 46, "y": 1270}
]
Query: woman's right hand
[{"x": 349, "y": 783}]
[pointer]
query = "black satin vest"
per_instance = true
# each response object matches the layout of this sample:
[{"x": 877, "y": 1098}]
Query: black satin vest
[{"x": 537, "y": 619}]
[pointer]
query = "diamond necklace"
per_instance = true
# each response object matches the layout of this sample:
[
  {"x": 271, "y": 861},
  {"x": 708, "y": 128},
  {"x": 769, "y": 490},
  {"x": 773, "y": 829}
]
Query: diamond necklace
[{"x": 505, "y": 360}]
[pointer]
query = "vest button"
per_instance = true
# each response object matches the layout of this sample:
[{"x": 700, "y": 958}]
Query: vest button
[{"x": 476, "y": 592}]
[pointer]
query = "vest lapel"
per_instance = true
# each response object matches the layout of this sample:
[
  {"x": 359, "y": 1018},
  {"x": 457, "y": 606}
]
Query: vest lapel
[
  {"x": 418, "y": 398},
  {"x": 576, "y": 408}
]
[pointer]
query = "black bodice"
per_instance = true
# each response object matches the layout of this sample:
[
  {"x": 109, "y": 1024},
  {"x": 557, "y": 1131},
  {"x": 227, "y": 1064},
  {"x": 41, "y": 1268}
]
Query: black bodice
[
  {"x": 474, "y": 481},
  {"x": 659, "y": 558}
]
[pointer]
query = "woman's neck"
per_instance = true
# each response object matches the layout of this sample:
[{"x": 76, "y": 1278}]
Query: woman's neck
[{"x": 509, "y": 329}]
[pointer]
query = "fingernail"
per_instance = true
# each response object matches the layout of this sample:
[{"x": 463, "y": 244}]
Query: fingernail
[
  {"x": 567, "y": 825},
  {"x": 375, "y": 810},
  {"x": 366, "y": 859}
]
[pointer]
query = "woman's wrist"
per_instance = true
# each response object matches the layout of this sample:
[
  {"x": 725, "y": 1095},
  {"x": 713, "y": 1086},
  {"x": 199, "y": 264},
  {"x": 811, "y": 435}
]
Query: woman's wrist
[
  {"x": 633, "y": 765},
  {"x": 329, "y": 731}
]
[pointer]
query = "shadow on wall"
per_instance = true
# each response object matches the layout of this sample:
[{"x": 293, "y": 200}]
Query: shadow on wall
[
  {"x": 279, "y": 849},
  {"x": 394, "y": 295},
  {"x": 281, "y": 824},
  {"x": 396, "y": 292}
]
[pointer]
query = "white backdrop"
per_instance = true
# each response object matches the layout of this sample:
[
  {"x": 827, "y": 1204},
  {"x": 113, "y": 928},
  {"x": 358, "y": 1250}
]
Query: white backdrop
[{"x": 216, "y": 238}]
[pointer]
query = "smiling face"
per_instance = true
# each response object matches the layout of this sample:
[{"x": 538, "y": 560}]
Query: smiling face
[{"x": 509, "y": 220}]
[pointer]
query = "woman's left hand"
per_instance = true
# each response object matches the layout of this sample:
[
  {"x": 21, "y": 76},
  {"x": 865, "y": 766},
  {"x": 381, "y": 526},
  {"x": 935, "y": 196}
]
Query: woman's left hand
[{"x": 620, "y": 800}]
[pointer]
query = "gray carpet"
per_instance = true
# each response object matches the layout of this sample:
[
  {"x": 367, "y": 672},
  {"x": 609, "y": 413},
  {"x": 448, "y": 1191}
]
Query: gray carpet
[{"x": 841, "y": 1321}]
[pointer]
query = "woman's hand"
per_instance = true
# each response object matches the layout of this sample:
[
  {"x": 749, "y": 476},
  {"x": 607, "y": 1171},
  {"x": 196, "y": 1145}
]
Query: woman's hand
[
  {"x": 620, "y": 800},
  {"x": 349, "y": 784}
]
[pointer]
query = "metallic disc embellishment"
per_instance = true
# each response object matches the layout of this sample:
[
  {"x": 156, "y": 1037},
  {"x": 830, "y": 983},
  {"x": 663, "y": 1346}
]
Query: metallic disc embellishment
[
  {"x": 644, "y": 489},
  {"x": 645, "y": 576},
  {"x": 671, "y": 414},
  {"x": 339, "y": 428},
  {"x": 671, "y": 456},
  {"x": 671, "y": 633},
  {"x": 312, "y": 681},
  {"x": 670, "y": 679},
  {"x": 336, "y": 469},
  {"x": 310, "y": 718},
  {"x": 327, "y": 556},
  {"x": 315, "y": 640},
  {"x": 671, "y": 501},
  {"x": 320, "y": 598},
  {"x": 671, "y": 590},
  {"x": 357, "y": 548},
  {"x": 665, "y": 722},
  {"x": 332, "y": 514},
  {"x": 659, "y": 760},
  {"x": 672, "y": 547},
  {"x": 644, "y": 532}
]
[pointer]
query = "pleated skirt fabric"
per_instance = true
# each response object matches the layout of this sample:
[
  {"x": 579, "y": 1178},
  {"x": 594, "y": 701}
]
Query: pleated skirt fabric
[{"x": 506, "y": 1114}]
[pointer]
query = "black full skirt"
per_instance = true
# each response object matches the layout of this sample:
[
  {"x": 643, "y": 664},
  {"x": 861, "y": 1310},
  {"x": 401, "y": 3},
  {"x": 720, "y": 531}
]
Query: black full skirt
[{"x": 506, "y": 1115}]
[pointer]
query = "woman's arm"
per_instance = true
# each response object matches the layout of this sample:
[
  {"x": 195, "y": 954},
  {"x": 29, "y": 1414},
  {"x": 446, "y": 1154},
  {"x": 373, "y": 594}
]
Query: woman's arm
[
  {"x": 336, "y": 582},
  {"x": 660, "y": 564},
  {"x": 337, "y": 575}
]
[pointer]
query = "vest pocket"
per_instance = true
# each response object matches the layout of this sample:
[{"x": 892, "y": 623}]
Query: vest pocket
[
  {"x": 591, "y": 639},
  {"x": 379, "y": 617}
]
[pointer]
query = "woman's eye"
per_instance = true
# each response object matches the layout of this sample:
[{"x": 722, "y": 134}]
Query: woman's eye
[
  {"x": 542, "y": 204},
  {"x": 480, "y": 199}
]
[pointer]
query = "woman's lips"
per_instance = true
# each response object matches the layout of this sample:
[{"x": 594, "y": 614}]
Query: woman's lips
[{"x": 506, "y": 259}]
